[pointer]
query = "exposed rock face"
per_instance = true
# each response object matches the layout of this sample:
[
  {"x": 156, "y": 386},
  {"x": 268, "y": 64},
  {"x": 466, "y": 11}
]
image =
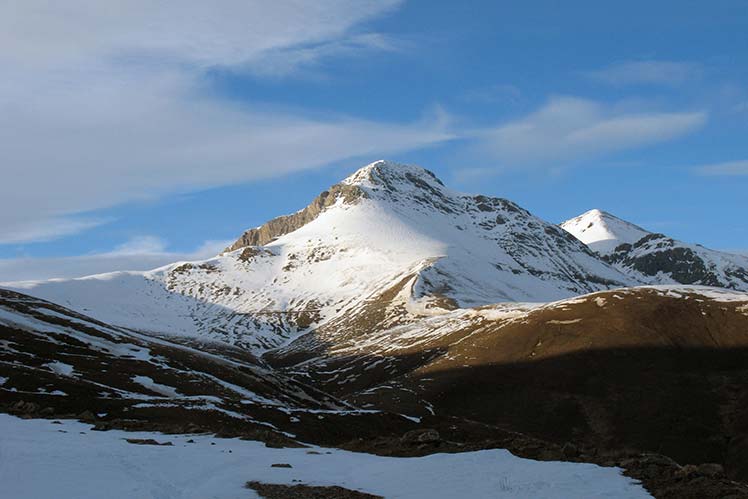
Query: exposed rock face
[
  {"x": 280, "y": 226},
  {"x": 656, "y": 255},
  {"x": 682, "y": 264}
]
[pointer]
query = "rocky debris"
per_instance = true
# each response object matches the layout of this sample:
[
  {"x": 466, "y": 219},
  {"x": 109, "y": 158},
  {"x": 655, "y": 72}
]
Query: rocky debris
[
  {"x": 710, "y": 470},
  {"x": 666, "y": 479},
  {"x": 87, "y": 417},
  {"x": 276, "y": 491},
  {"x": 422, "y": 436},
  {"x": 188, "y": 267},
  {"x": 174, "y": 428},
  {"x": 570, "y": 450},
  {"x": 736, "y": 462},
  {"x": 147, "y": 441},
  {"x": 250, "y": 253},
  {"x": 23, "y": 408}
]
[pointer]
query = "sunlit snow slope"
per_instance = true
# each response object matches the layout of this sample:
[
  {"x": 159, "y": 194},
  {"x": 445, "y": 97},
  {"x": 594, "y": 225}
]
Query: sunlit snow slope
[
  {"x": 603, "y": 232},
  {"x": 387, "y": 223}
]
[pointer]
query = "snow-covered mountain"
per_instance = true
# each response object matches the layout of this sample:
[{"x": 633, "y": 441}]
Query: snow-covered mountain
[
  {"x": 385, "y": 224},
  {"x": 657, "y": 258},
  {"x": 395, "y": 316},
  {"x": 603, "y": 232}
]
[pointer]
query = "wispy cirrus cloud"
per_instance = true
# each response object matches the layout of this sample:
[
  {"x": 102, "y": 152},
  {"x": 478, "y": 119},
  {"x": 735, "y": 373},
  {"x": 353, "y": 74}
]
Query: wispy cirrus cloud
[
  {"x": 105, "y": 103},
  {"x": 651, "y": 72},
  {"x": 227, "y": 33},
  {"x": 728, "y": 168},
  {"x": 23, "y": 227},
  {"x": 284, "y": 62},
  {"x": 572, "y": 128},
  {"x": 139, "y": 253}
]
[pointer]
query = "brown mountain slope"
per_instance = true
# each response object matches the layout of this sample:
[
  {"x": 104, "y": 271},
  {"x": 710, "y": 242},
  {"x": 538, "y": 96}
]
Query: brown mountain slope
[
  {"x": 602, "y": 378},
  {"x": 638, "y": 369}
]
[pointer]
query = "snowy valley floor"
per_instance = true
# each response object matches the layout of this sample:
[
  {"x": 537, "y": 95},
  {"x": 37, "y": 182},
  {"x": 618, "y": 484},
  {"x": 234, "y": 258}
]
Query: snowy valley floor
[{"x": 43, "y": 460}]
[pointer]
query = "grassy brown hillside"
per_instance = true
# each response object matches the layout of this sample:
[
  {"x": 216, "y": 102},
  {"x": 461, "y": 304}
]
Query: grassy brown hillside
[{"x": 636, "y": 370}]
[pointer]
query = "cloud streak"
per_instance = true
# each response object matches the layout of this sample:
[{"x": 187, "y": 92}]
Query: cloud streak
[
  {"x": 140, "y": 253},
  {"x": 570, "y": 128},
  {"x": 205, "y": 34},
  {"x": 105, "y": 103},
  {"x": 728, "y": 168},
  {"x": 667, "y": 73}
]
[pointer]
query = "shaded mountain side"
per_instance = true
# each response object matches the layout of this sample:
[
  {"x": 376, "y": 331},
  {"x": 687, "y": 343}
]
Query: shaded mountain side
[
  {"x": 600, "y": 405},
  {"x": 644, "y": 369},
  {"x": 656, "y": 255},
  {"x": 56, "y": 363}
]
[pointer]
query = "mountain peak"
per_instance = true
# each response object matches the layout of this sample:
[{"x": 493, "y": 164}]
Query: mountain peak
[
  {"x": 602, "y": 231},
  {"x": 394, "y": 177},
  {"x": 389, "y": 236},
  {"x": 384, "y": 181}
]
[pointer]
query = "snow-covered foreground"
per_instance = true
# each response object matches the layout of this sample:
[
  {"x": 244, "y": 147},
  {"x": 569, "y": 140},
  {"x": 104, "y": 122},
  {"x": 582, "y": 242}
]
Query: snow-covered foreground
[{"x": 42, "y": 460}]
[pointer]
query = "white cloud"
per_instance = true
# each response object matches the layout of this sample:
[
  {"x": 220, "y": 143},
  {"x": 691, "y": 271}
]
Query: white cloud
[
  {"x": 225, "y": 32},
  {"x": 288, "y": 61},
  {"x": 105, "y": 102},
  {"x": 141, "y": 245},
  {"x": 21, "y": 227},
  {"x": 728, "y": 168},
  {"x": 569, "y": 128},
  {"x": 139, "y": 253},
  {"x": 648, "y": 73}
]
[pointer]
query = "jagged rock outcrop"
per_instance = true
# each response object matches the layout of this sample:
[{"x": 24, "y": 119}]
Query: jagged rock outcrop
[{"x": 280, "y": 226}]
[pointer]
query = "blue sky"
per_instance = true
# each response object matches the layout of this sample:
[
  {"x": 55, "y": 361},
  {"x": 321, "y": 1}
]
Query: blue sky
[{"x": 137, "y": 133}]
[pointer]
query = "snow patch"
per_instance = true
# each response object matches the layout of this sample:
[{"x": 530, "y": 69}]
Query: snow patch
[
  {"x": 572, "y": 321},
  {"x": 60, "y": 368},
  {"x": 81, "y": 466},
  {"x": 165, "y": 390}
]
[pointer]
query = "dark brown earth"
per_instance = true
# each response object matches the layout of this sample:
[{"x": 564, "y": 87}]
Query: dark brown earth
[
  {"x": 638, "y": 374},
  {"x": 275, "y": 491},
  {"x": 147, "y": 441}
]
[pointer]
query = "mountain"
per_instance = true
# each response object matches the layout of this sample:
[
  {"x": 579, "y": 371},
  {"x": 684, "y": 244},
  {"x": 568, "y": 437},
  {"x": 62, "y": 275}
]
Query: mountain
[
  {"x": 386, "y": 224},
  {"x": 607, "y": 378},
  {"x": 656, "y": 258},
  {"x": 397, "y": 317}
]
